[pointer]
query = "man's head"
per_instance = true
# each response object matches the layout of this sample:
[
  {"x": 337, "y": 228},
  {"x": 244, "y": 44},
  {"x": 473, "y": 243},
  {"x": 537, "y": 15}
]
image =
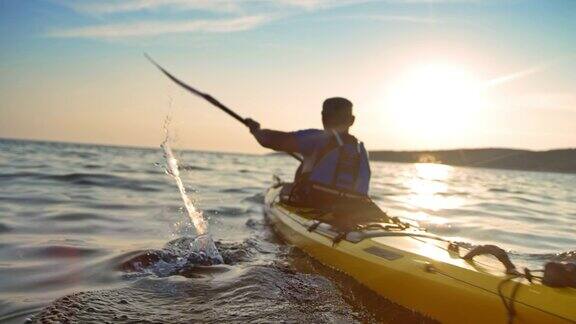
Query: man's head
[{"x": 337, "y": 114}]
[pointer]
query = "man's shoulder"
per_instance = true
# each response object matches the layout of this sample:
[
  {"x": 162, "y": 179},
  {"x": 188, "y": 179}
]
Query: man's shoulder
[
  {"x": 310, "y": 132},
  {"x": 310, "y": 140}
]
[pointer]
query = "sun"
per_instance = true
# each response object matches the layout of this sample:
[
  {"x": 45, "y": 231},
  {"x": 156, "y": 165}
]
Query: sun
[{"x": 433, "y": 99}]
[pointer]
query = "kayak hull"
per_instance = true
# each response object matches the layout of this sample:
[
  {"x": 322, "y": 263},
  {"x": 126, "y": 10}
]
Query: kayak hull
[{"x": 422, "y": 275}]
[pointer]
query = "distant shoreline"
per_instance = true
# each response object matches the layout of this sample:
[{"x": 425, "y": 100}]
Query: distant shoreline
[
  {"x": 119, "y": 146},
  {"x": 558, "y": 160}
]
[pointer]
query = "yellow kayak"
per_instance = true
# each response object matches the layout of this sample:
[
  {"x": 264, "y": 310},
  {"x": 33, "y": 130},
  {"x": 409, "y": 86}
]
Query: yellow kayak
[{"x": 420, "y": 272}]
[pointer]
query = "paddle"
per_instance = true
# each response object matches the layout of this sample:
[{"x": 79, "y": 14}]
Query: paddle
[{"x": 207, "y": 97}]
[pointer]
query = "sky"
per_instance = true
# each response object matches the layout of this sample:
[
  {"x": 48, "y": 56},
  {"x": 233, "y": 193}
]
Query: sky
[{"x": 422, "y": 74}]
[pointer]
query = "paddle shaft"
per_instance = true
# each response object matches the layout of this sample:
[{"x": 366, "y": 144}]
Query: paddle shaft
[{"x": 207, "y": 97}]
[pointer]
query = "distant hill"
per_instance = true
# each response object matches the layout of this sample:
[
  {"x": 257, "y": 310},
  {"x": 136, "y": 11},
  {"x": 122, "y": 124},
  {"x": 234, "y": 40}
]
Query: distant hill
[{"x": 551, "y": 161}]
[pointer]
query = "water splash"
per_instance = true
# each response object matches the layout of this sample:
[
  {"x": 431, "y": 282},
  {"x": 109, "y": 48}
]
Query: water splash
[
  {"x": 172, "y": 170},
  {"x": 203, "y": 243}
]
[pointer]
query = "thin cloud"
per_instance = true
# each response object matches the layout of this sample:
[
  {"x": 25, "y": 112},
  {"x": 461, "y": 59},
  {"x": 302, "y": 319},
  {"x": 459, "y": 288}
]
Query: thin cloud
[
  {"x": 527, "y": 72},
  {"x": 112, "y": 7},
  {"x": 321, "y": 4},
  {"x": 515, "y": 76},
  {"x": 386, "y": 18},
  {"x": 395, "y": 18},
  {"x": 154, "y": 28},
  {"x": 250, "y": 14},
  {"x": 437, "y": 1},
  {"x": 115, "y": 6}
]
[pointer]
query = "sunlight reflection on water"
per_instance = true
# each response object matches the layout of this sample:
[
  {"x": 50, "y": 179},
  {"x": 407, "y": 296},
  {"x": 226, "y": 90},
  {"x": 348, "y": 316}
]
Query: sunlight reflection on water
[{"x": 428, "y": 187}]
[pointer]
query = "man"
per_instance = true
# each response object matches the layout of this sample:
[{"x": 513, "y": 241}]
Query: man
[{"x": 335, "y": 170}]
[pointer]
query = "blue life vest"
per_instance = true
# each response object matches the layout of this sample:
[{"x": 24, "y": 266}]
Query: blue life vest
[{"x": 341, "y": 165}]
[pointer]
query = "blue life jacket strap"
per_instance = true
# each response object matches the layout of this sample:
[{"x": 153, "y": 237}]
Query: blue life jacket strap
[{"x": 341, "y": 153}]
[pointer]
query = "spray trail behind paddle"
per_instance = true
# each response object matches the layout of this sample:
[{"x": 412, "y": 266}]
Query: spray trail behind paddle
[
  {"x": 172, "y": 169},
  {"x": 203, "y": 245}
]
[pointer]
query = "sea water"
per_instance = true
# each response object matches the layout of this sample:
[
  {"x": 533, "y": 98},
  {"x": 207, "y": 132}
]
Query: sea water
[{"x": 101, "y": 234}]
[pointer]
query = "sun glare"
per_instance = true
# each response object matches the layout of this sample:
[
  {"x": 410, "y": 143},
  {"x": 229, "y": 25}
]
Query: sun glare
[{"x": 434, "y": 99}]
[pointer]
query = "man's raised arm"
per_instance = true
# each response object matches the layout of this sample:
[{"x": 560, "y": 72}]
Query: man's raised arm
[{"x": 276, "y": 140}]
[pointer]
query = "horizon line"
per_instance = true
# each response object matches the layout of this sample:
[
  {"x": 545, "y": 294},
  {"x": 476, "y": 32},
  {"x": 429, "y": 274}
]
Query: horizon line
[{"x": 147, "y": 147}]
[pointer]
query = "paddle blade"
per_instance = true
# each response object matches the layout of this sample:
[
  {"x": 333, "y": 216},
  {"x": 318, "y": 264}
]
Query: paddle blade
[{"x": 175, "y": 79}]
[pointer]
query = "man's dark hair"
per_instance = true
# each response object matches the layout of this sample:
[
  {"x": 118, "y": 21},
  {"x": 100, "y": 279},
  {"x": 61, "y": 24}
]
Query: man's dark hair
[
  {"x": 337, "y": 113},
  {"x": 337, "y": 107}
]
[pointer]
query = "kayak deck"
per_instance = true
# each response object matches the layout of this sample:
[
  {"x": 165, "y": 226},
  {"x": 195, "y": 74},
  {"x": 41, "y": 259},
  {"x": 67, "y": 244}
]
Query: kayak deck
[{"x": 417, "y": 270}]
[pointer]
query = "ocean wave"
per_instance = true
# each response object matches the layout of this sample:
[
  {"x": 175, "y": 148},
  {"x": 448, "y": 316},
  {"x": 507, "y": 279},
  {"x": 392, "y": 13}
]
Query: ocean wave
[
  {"x": 88, "y": 179},
  {"x": 262, "y": 293},
  {"x": 35, "y": 200},
  {"x": 5, "y": 228},
  {"x": 233, "y": 190},
  {"x": 507, "y": 190},
  {"x": 194, "y": 168},
  {"x": 568, "y": 256},
  {"x": 256, "y": 198},
  {"x": 226, "y": 211},
  {"x": 93, "y": 166},
  {"x": 78, "y": 217},
  {"x": 60, "y": 251},
  {"x": 178, "y": 257},
  {"x": 19, "y": 175},
  {"x": 255, "y": 223},
  {"x": 104, "y": 180}
]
